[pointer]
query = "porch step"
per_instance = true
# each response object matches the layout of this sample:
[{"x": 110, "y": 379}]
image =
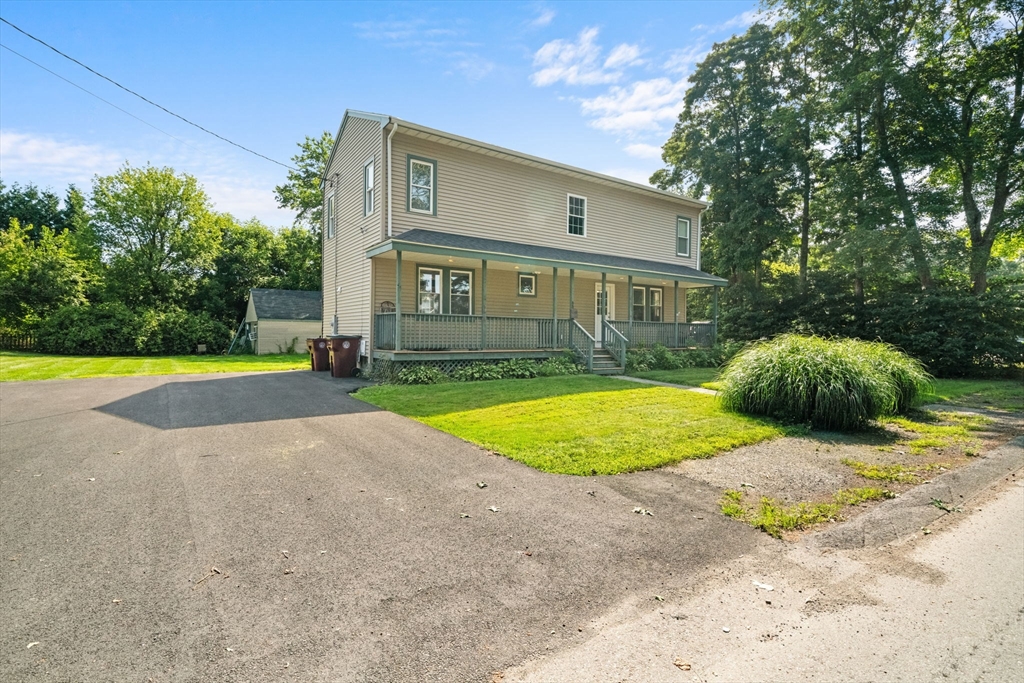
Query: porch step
[
  {"x": 608, "y": 371},
  {"x": 605, "y": 363}
]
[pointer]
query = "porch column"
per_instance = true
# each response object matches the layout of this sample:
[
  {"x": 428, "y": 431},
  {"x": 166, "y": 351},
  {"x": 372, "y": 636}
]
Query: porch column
[
  {"x": 398, "y": 300},
  {"x": 604, "y": 302},
  {"x": 483, "y": 304},
  {"x": 629, "y": 304},
  {"x": 554, "y": 308},
  {"x": 714, "y": 329},
  {"x": 675, "y": 305},
  {"x": 572, "y": 291}
]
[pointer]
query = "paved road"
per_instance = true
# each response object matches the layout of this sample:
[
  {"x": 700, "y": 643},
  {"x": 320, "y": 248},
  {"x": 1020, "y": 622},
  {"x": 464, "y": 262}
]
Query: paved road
[
  {"x": 944, "y": 606},
  {"x": 336, "y": 531}
]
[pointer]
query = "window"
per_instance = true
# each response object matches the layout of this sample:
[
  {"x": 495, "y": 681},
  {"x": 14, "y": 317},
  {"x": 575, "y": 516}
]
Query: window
[
  {"x": 577, "y": 218},
  {"x": 429, "y": 291},
  {"x": 639, "y": 303},
  {"x": 368, "y": 188},
  {"x": 682, "y": 236},
  {"x": 432, "y": 297},
  {"x": 527, "y": 285},
  {"x": 330, "y": 217},
  {"x": 422, "y": 184},
  {"x": 655, "y": 300}
]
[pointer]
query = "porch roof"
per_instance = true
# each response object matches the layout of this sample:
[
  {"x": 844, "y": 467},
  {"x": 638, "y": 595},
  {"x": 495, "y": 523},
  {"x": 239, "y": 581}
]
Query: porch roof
[{"x": 448, "y": 244}]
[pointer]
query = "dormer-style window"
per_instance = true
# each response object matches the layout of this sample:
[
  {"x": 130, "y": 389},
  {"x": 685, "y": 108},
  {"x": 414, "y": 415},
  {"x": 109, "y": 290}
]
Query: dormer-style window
[
  {"x": 682, "y": 236},
  {"x": 368, "y": 188},
  {"x": 329, "y": 219},
  {"x": 577, "y": 216},
  {"x": 422, "y": 185}
]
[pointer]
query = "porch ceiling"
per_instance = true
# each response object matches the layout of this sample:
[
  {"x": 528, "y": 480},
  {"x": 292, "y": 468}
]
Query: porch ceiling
[{"x": 463, "y": 248}]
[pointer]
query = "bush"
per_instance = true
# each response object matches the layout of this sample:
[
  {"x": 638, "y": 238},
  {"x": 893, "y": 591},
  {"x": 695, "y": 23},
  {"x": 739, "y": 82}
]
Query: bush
[
  {"x": 517, "y": 368},
  {"x": 477, "y": 372},
  {"x": 112, "y": 329},
  {"x": 660, "y": 358},
  {"x": 421, "y": 374},
  {"x": 559, "y": 365},
  {"x": 830, "y": 384}
]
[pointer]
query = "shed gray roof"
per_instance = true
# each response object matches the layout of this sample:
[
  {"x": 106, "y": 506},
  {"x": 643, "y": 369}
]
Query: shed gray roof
[
  {"x": 478, "y": 247},
  {"x": 286, "y": 304}
]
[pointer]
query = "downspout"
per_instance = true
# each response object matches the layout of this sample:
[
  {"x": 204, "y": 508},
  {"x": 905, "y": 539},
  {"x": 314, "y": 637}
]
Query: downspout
[{"x": 394, "y": 127}]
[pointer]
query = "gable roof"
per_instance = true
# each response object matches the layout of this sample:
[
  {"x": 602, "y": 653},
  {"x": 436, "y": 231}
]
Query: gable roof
[
  {"x": 482, "y": 247},
  {"x": 286, "y": 304},
  {"x": 488, "y": 149}
]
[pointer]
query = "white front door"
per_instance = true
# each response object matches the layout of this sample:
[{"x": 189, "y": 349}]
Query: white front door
[{"x": 610, "y": 314}]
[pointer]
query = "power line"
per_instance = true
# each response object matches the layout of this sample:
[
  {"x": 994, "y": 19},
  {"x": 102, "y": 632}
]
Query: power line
[
  {"x": 99, "y": 98},
  {"x": 144, "y": 99}
]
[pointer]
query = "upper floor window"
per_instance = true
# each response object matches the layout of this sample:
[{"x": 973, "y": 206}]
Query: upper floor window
[
  {"x": 368, "y": 188},
  {"x": 682, "y": 236},
  {"x": 422, "y": 185},
  {"x": 329, "y": 219},
  {"x": 577, "y": 218}
]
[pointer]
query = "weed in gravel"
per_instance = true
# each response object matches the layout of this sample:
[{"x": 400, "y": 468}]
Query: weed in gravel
[
  {"x": 934, "y": 434},
  {"x": 900, "y": 473},
  {"x": 861, "y": 495},
  {"x": 732, "y": 504},
  {"x": 773, "y": 517}
]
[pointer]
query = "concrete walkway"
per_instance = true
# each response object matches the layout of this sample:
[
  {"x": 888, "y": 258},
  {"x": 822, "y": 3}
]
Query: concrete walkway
[{"x": 639, "y": 380}]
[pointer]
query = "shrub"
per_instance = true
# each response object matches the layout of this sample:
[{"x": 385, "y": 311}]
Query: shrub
[
  {"x": 830, "y": 384},
  {"x": 112, "y": 329},
  {"x": 517, "y": 368},
  {"x": 421, "y": 374},
  {"x": 558, "y": 365},
  {"x": 477, "y": 372}
]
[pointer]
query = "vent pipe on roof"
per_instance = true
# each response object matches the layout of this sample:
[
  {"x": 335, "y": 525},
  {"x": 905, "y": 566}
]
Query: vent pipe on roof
[{"x": 394, "y": 127}]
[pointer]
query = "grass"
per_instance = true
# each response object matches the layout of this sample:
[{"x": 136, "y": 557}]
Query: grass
[
  {"x": 903, "y": 474},
  {"x": 691, "y": 377},
  {"x": 1001, "y": 394},
  {"x": 580, "y": 425},
  {"x": 19, "y": 366},
  {"x": 931, "y": 434},
  {"x": 774, "y": 518}
]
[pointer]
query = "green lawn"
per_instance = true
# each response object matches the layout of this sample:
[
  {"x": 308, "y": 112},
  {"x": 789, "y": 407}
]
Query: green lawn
[
  {"x": 691, "y": 377},
  {"x": 577, "y": 425},
  {"x": 1002, "y": 394},
  {"x": 19, "y": 366}
]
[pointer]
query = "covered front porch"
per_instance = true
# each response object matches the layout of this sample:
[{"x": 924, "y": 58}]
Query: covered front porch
[{"x": 439, "y": 296}]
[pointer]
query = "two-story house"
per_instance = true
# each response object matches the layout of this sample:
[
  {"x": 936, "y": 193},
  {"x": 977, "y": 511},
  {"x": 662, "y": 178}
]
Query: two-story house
[{"x": 445, "y": 249}]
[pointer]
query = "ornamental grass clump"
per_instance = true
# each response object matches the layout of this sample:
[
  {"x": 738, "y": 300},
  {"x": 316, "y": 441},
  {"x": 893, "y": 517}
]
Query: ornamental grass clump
[{"x": 831, "y": 384}]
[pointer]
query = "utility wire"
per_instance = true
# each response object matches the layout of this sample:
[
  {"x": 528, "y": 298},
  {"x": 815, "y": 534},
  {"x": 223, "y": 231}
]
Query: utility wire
[
  {"x": 100, "y": 98},
  {"x": 144, "y": 99}
]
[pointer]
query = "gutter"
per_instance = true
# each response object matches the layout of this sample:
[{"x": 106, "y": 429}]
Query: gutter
[{"x": 394, "y": 127}]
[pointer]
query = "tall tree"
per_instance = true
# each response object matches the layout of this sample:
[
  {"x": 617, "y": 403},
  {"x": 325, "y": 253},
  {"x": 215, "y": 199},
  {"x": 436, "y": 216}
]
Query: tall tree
[
  {"x": 296, "y": 259},
  {"x": 243, "y": 261},
  {"x": 971, "y": 73},
  {"x": 36, "y": 209},
  {"x": 302, "y": 192},
  {"x": 157, "y": 232}
]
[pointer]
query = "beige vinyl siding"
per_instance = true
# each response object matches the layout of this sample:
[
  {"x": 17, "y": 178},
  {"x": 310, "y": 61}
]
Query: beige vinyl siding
[
  {"x": 344, "y": 257},
  {"x": 483, "y": 196},
  {"x": 275, "y": 336}
]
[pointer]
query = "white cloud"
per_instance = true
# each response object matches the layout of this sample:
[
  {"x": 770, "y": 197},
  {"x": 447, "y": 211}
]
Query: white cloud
[
  {"x": 642, "y": 106},
  {"x": 623, "y": 55},
  {"x": 642, "y": 150},
  {"x": 544, "y": 18},
  {"x": 56, "y": 163},
  {"x": 739, "y": 21},
  {"x": 683, "y": 61},
  {"x": 579, "y": 62},
  {"x": 26, "y": 155}
]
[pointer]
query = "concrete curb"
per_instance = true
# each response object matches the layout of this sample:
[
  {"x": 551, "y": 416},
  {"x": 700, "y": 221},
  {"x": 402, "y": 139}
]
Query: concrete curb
[{"x": 905, "y": 515}]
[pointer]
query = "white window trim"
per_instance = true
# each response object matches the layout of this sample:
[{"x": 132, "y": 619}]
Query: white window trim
[
  {"x": 330, "y": 217},
  {"x": 433, "y": 187},
  {"x": 519, "y": 284},
  {"x": 369, "y": 191},
  {"x": 643, "y": 305},
  {"x": 689, "y": 236},
  {"x": 452, "y": 271},
  {"x": 568, "y": 204}
]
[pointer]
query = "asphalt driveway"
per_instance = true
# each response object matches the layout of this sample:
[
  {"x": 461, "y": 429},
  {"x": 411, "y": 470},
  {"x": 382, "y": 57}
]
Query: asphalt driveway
[{"x": 268, "y": 527}]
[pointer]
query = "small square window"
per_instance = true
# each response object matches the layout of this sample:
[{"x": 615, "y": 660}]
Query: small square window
[
  {"x": 527, "y": 285},
  {"x": 682, "y": 236},
  {"x": 577, "y": 216}
]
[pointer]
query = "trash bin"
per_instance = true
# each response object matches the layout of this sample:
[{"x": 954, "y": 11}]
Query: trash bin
[
  {"x": 319, "y": 354},
  {"x": 344, "y": 355}
]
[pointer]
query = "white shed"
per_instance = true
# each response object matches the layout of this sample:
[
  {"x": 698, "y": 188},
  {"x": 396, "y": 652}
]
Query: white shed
[{"x": 280, "y": 320}]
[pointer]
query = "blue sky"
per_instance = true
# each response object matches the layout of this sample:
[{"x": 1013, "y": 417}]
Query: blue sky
[{"x": 596, "y": 85}]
